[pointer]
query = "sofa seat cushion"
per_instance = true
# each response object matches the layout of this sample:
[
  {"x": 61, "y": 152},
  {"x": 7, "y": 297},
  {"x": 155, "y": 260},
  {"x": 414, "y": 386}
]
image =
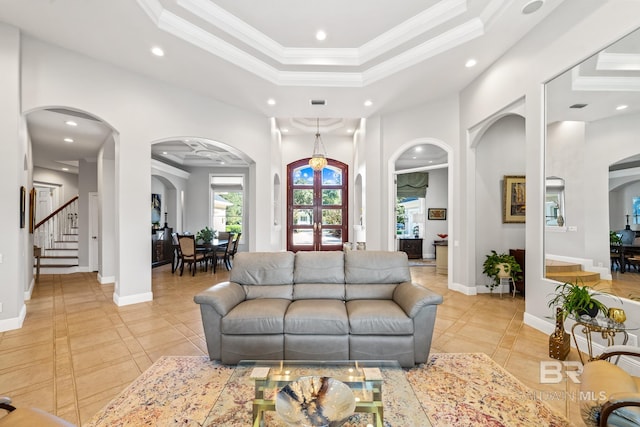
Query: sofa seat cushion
[
  {"x": 256, "y": 316},
  {"x": 378, "y": 317},
  {"x": 319, "y": 316}
]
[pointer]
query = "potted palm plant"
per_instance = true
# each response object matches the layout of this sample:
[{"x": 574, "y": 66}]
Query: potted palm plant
[{"x": 497, "y": 266}]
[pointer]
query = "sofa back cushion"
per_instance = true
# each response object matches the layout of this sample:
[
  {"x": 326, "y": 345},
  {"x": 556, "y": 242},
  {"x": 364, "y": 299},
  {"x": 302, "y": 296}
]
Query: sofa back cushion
[
  {"x": 319, "y": 275},
  {"x": 374, "y": 274},
  {"x": 264, "y": 274}
]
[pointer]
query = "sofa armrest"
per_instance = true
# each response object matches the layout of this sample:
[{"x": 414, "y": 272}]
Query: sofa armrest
[
  {"x": 222, "y": 297},
  {"x": 412, "y": 298}
]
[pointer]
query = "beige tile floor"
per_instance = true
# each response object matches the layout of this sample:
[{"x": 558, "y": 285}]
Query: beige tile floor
[{"x": 77, "y": 349}]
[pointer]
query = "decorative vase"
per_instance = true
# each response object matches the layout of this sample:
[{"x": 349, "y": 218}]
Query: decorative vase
[
  {"x": 617, "y": 315},
  {"x": 559, "y": 340}
]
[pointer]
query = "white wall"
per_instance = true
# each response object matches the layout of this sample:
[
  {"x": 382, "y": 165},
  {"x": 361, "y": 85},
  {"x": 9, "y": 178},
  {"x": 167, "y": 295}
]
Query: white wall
[
  {"x": 141, "y": 111},
  {"x": 198, "y": 204},
  {"x": 385, "y": 140},
  {"x": 565, "y": 159},
  {"x": 500, "y": 152},
  {"x": 106, "y": 221},
  {"x": 87, "y": 183},
  {"x": 67, "y": 182},
  {"x": 15, "y": 245},
  {"x": 571, "y": 34},
  {"x": 437, "y": 197}
]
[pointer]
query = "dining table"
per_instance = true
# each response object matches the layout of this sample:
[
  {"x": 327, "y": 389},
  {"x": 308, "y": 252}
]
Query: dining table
[{"x": 211, "y": 247}]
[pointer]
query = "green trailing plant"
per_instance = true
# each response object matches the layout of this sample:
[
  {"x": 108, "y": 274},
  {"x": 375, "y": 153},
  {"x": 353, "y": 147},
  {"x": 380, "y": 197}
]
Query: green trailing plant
[
  {"x": 206, "y": 235},
  {"x": 492, "y": 268},
  {"x": 577, "y": 300}
]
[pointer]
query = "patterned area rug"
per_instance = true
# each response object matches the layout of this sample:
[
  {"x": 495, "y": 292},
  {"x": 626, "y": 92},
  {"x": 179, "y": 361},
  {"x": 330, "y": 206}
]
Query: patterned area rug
[{"x": 457, "y": 389}]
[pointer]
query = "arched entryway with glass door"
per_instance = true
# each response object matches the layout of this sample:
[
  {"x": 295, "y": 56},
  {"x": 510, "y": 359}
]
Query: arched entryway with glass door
[{"x": 317, "y": 206}]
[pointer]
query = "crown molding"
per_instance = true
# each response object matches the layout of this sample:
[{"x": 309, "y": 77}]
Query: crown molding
[
  {"x": 408, "y": 30},
  {"x": 443, "y": 42},
  {"x": 603, "y": 83},
  {"x": 415, "y": 26},
  {"x": 618, "y": 61}
]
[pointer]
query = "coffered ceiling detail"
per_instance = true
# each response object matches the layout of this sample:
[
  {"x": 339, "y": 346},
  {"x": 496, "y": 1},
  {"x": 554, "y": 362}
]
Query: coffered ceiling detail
[{"x": 439, "y": 27}]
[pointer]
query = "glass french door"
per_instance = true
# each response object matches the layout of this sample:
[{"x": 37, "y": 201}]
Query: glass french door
[{"x": 316, "y": 206}]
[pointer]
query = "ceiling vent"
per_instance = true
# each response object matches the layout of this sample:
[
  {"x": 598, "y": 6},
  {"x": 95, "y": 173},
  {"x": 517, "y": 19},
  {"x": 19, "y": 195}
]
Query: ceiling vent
[
  {"x": 578, "y": 106},
  {"x": 318, "y": 102}
]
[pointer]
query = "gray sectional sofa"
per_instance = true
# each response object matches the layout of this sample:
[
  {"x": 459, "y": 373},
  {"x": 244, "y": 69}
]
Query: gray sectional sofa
[{"x": 319, "y": 306}]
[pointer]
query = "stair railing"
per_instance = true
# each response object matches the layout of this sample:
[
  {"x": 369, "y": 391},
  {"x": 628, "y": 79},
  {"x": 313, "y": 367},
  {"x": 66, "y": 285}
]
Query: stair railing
[{"x": 56, "y": 225}]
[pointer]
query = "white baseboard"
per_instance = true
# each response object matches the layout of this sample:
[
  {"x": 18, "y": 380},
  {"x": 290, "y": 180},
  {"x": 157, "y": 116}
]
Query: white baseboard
[
  {"x": 132, "y": 299},
  {"x": 29, "y": 291},
  {"x": 466, "y": 290},
  {"x": 103, "y": 280},
  {"x": 14, "y": 322}
]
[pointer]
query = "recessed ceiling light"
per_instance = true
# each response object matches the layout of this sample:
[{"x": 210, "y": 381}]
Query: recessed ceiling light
[
  {"x": 532, "y": 6},
  {"x": 321, "y": 35},
  {"x": 71, "y": 123},
  {"x": 65, "y": 169},
  {"x": 271, "y": 101},
  {"x": 414, "y": 157},
  {"x": 165, "y": 153},
  {"x": 349, "y": 130},
  {"x": 622, "y": 107},
  {"x": 285, "y": 130},
  {"x": 470, "y": 63},
  {"x": 368, "y": 103},
  {"x": 157, "y": 51},
  {"x": 418, "y": 149},
  {"x": 69, "y": 140}
]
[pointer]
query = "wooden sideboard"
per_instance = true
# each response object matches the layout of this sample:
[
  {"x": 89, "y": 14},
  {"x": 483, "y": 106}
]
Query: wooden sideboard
[
  {"x": 161, "y": 247},
  {"x": 413, "y": 247}
]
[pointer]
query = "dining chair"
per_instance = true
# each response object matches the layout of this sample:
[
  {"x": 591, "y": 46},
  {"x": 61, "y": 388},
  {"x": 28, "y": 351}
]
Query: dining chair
[
  {"x": 609, "y": 396},
  {"x": 234, "y": 249},
  {"x": 189, "y": 255},
  {"x": 222, "y": 254},
  {"x": 177, "y": 254}
]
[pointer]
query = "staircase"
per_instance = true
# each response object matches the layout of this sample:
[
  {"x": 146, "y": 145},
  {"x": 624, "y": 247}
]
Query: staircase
[
  {"x": 569, "y": 272},
  {"x": 57, "y": 237},
  {"x": 62, "y": 256}
]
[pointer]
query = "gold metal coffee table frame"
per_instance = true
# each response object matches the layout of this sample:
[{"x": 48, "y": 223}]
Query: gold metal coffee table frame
[{"x": 382, "y": 391}]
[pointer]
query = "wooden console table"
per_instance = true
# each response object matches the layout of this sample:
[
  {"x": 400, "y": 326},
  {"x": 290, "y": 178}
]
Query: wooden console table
[{"x": 413, "y": 247}]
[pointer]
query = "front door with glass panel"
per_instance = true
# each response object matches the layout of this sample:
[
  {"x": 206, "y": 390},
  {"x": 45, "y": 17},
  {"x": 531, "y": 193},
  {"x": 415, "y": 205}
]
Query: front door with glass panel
[{"x": 316, "y": 206}]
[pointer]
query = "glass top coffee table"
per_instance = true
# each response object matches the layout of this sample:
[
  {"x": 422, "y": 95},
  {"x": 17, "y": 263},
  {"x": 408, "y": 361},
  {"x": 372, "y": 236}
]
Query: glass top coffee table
[{"x": 384, "y": 397}]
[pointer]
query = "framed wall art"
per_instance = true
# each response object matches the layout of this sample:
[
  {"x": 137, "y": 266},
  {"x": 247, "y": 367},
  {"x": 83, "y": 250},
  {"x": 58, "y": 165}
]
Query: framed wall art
[
  {"x": 514, "y": 199},
  {"x": 437, "y": 214}
]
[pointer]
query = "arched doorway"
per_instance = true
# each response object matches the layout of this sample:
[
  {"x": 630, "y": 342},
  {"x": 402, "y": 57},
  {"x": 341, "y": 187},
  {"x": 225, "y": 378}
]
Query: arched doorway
[{"x": 317, "y": 206}]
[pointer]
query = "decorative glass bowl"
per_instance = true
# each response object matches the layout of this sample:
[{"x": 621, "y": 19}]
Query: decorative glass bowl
[
  {"x": 442, "y": 236},
  {"x": 315, "y": 401}
]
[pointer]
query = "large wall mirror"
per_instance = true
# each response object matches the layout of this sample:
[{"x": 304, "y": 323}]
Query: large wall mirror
[{"x": 592, "y": 166}]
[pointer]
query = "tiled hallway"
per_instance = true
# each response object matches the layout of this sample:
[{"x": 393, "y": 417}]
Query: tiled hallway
[{"x": 77, "y": 349}]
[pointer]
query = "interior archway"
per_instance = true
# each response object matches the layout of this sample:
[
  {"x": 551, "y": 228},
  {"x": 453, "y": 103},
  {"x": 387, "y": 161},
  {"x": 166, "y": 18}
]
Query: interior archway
[{"x": 432, "y": 156}]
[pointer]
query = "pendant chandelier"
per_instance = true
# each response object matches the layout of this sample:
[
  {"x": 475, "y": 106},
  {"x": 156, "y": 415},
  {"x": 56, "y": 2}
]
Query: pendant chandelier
[{"x": 319, "y": 158}]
